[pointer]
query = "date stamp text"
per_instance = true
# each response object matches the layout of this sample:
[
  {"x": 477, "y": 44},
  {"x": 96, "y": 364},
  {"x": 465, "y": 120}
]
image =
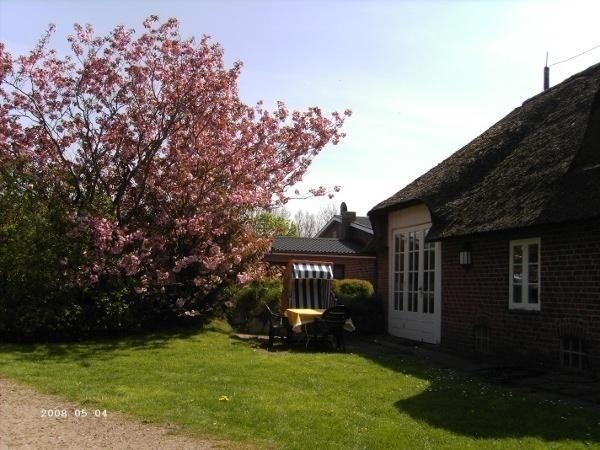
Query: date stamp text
[{"x": 63, "y": 413}]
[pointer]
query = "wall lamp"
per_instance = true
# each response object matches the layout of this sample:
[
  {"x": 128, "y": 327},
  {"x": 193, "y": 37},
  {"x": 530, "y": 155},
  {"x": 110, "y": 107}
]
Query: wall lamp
[{"x": 464, "y": 257}]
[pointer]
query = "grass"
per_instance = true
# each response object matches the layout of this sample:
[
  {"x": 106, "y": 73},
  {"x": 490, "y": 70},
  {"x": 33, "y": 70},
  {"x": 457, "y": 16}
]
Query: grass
[{"x": 216, "y": 386}]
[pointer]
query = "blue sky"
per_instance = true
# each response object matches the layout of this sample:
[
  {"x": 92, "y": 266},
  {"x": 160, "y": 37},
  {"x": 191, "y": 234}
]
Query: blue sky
[{"x": 422, "y": 78}]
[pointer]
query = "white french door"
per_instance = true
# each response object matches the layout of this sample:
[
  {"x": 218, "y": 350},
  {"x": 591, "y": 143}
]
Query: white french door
[{"x": 415, "y": 286}]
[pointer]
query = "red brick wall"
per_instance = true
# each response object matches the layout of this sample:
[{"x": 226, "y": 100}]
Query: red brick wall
[
  {"x": 383, "y": 281},
  {"x": 569, "y": 293},
  {"x": 331, "y": 231},
  {"x": 363, "y": 269}
]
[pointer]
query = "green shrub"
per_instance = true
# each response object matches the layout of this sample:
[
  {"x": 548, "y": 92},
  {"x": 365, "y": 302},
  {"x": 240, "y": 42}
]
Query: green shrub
[
  {"x": 37, "y": 300},
  {"x": 247, "y": 302},
  {"x": 350, "y": 288},
  {"x": 365, "y": 308}
]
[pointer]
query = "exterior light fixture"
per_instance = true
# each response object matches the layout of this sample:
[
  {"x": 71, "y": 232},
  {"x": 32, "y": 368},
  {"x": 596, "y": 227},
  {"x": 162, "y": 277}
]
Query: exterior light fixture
[{"x": 465, "y": 257}]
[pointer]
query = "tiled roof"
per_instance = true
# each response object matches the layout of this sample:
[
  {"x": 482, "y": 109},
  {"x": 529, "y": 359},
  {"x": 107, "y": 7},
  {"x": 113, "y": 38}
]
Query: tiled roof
[
  {"x": 362, "y": 221},
  {"x": 331, "y": 246}
]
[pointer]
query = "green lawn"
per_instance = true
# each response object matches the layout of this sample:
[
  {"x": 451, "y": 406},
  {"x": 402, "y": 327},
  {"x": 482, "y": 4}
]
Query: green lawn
[{"x": 296, "y": 399}]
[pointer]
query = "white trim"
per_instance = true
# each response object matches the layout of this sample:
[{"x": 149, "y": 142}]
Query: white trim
[
  {"x": 416, "y": 324},
  {"x": 358, "y": 226},
  {"x": 524, "y": 304},
  {"x": 333, "y": 219}
]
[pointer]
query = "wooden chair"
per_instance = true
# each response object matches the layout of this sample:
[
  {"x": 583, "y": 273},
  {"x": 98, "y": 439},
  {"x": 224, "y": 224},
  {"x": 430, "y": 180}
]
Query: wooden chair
[{"x": 278, "y": 327}]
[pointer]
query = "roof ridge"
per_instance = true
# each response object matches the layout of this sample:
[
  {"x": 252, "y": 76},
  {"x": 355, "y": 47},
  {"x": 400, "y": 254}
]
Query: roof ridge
[{"x": 583, "y": 73}]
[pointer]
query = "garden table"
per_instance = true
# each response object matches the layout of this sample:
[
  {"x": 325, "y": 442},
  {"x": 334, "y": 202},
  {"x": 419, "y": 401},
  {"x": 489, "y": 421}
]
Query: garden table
[{"x": 298, "y": 317}]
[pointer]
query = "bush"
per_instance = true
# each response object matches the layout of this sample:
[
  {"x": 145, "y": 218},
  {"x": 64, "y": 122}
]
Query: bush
[
  {"x": 350, "y": 288},
  {"x": 365, "y": 308},
  {"x": 38, "y": 301},
  {"x": 247, "y": 312}
]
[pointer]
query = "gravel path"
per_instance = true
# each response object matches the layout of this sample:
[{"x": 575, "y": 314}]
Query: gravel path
[{"x": 24, "y": 424}]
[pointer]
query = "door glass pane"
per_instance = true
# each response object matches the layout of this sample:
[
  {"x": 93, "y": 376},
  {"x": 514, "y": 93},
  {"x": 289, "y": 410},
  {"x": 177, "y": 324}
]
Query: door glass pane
[
  {"x": 402, "y": 253},
  {"x": 533, "y": 273},
  {"x": 517, "y": 292},
  {"x": 517, "y": 274},
  {"x": 517, "y": 254},
  {"x": 533, "y": 293},
  {"x": 428, "y": 277},
  {"x": 398, "y": 272},
  {"x": 401, "y": 281},
  {"x": 413, "y": 271},
  {"x": 533, "y": 253}
]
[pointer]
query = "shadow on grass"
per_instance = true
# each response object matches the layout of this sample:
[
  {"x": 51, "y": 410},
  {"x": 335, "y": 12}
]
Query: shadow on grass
[
  {"x": 298, "y": 345},
  {"x": 511, "y": 418},
  {"x": 467, "y": 405},
  {"x": 104, "y": 348},
  {"x": 464, "y": 404}
]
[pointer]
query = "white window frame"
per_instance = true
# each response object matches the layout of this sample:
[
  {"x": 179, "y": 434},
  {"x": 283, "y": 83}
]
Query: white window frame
[{"x": 524, "y": 304}]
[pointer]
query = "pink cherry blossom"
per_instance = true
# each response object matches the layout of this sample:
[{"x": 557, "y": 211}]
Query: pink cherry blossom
[{"x": 142, "y": 143}]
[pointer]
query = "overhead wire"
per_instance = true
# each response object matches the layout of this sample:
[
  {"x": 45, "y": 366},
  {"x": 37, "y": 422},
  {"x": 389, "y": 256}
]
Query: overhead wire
[{"x": 573, "y": 57}]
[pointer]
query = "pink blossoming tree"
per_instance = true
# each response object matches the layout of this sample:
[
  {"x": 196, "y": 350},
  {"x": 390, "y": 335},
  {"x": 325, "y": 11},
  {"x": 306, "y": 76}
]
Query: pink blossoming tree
[{"x": 155, "y": 165}]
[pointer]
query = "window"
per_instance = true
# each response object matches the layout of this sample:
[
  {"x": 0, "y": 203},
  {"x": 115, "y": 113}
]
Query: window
[
  {"x": 339, "y": 271},
  {"x": 572, "y": 355},
  {"x": 524, "y": 276}
]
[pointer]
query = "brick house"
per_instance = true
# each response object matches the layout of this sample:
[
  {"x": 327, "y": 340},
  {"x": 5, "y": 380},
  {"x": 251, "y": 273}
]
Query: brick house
[
  {"x": 496, "y": 250},
  {"x": 344, "y": 241}
]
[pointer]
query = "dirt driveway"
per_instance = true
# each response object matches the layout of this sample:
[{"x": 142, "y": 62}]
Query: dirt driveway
[{"x": 29, "y": 419}]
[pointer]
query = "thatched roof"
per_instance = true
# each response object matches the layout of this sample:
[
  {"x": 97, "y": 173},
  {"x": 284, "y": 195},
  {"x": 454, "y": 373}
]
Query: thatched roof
[{"x": 540, "y": 164}]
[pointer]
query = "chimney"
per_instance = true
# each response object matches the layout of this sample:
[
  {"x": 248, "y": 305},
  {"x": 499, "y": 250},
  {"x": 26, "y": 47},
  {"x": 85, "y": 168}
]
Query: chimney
[
  {"x": 347, "y": 218},
  {"x": 546, "y": 74}
]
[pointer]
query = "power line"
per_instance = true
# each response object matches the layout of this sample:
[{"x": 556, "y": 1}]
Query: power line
[{"x": 573, "y": 57}]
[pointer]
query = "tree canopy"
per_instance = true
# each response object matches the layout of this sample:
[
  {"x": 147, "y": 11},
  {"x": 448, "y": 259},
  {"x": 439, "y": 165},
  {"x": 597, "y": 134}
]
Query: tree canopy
[{"x": 147, "y": 157}]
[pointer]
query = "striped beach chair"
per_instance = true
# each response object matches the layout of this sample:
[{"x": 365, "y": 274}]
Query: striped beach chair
[{"x": 311, "y": 286}]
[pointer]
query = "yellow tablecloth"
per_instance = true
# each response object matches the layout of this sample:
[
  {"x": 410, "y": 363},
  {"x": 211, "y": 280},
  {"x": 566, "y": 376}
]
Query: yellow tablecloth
[{"x": 301, "y": 316}]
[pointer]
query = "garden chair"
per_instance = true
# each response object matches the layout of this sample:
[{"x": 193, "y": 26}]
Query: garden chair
[
  {"x": 331, "y": 323},
  {"x": 278, "y": 327}
]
